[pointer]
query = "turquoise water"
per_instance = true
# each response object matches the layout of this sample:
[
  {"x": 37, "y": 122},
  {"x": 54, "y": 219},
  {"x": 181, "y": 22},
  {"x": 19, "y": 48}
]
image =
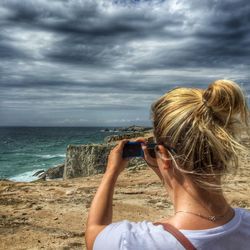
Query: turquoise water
[{"x": 25, "y": 150}]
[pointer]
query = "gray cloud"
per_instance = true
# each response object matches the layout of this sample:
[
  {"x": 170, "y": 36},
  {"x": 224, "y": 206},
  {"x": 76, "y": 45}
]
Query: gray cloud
[{"x": 107, "y": 61}]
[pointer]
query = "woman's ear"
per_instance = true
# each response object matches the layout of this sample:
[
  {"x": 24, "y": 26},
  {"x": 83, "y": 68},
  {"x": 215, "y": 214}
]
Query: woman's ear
[{"x": 164, "y": 156}]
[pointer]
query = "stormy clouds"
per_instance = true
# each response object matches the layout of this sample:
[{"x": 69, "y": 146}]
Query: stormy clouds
[{"x": 102, "y": 63}]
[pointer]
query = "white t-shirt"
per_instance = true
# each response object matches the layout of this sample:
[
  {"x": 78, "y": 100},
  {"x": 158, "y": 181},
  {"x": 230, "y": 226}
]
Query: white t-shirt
[{"x": 128, "y": 235}]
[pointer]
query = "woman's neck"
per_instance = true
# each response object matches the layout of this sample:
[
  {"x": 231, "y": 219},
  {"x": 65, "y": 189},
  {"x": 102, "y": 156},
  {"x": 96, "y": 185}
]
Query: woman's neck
[
  {"x": 199, "y": 200},
  {"x": 188, "y": 198}
]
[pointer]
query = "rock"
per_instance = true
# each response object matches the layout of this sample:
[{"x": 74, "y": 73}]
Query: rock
[
  {"x": 39, "y": 172},
  {"x": 159, "y": 205},
  {"x": 153, "y": 201},
  {"x": 86, "y": 160},
  {"x": 53, "y": 173},
  {"x": 91, "y": 159},
  {"x": 70, "y": 192}
]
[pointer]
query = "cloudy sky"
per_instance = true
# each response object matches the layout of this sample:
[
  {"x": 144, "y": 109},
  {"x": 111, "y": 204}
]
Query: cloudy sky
[{"x": 102, "y": 63}]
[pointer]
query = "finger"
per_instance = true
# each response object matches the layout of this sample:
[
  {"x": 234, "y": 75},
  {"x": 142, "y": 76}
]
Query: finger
[
  {"x": 121, "y": 144},
  {"x": 147, "y": 155},
  {"x": 141, "y": 139},
  {"x": 145, "y": 150}
]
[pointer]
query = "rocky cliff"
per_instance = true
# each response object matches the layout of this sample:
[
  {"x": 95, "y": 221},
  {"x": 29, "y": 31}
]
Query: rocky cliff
[
  {"x": 91, "y": 159},
  {"x": 85, "y": 160}
]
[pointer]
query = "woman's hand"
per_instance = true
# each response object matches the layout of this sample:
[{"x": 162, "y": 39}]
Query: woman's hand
[
  {"x": 147, "y": 157},
  {"x": 116, "y": 164},
  {"x": 152, "y": 162}
]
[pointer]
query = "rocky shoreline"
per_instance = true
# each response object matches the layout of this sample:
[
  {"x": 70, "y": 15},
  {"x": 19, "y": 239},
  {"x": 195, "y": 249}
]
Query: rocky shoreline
[{"x": 91, "y": 159}]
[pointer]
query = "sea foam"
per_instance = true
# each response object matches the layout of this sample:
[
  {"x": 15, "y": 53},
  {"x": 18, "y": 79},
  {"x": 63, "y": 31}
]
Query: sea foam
[{"x": 25, "y": 177}]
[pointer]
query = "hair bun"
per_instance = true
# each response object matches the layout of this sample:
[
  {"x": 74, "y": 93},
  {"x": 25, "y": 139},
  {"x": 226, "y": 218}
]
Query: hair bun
[{"x": 225, "y": 97}]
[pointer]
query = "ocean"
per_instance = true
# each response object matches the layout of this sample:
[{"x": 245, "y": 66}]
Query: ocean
[{"x": 25, "y": 150}]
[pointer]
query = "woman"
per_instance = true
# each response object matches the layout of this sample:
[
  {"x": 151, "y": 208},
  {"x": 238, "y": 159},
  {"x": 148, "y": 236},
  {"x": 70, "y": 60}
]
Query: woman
[{"x": 196, "y": 132}]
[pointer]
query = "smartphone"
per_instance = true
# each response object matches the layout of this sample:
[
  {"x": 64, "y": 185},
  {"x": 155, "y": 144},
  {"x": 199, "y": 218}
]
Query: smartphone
[{"x": 133, "y": 149}]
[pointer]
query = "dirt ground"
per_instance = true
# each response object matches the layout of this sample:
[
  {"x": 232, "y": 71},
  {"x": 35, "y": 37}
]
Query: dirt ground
[{"x": 52, "y": 214}]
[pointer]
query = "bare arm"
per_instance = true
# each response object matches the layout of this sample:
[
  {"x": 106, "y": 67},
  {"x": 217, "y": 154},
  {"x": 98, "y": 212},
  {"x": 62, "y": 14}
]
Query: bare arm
[{"x": 100, "y": 213}]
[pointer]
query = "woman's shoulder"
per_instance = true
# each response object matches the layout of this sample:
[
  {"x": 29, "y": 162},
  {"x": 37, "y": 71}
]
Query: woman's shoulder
[
  {"x": 136, "y": 235},
  {"x": 123, "y": 227}
]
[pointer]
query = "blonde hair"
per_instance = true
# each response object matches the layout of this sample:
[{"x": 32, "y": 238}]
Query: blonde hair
[{"x": 203, "y": 126}]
